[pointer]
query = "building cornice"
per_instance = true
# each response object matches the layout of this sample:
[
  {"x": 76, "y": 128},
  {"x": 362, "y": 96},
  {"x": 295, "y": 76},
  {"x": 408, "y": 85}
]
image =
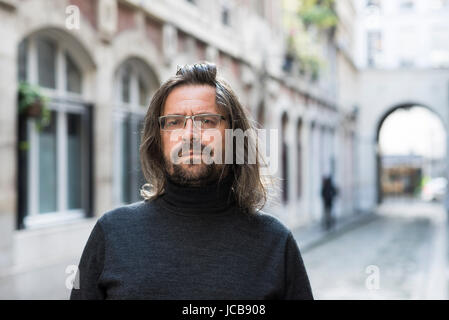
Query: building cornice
[{"x": 162, "y": 12}]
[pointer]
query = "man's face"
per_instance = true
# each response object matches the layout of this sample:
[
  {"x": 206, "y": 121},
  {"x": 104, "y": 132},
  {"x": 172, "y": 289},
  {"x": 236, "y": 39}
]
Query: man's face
[{"x": 192, "y": 170}]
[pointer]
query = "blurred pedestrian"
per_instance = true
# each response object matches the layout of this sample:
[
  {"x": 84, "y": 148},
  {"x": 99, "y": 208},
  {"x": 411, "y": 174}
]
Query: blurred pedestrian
[{"x": 328, "y": 193}]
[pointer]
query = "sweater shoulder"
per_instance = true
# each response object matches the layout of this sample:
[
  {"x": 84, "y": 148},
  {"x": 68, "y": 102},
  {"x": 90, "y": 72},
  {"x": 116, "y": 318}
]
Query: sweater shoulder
[
  {"x": 269, "y": 224},
  {"x": 123, "y": 215}
]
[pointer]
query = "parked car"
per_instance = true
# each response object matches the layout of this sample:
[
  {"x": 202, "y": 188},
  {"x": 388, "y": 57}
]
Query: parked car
[{"x": 435, "y": 189}]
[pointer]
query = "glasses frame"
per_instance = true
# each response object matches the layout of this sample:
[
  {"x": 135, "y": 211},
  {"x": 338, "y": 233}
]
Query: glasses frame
[{"x": 189, "y": 117}]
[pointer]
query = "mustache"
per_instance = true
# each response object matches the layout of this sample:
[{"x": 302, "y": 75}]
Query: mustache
[{"x": 187, "y": 148}]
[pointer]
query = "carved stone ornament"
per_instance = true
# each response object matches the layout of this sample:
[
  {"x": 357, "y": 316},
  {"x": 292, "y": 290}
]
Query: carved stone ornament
[
  {"x": 170, "y": 42},
  {"x": 107, "y": 18}
]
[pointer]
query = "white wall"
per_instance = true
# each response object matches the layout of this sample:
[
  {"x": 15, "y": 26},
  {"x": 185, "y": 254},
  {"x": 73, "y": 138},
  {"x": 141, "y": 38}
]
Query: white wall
[{"x": 404, "y": 32}]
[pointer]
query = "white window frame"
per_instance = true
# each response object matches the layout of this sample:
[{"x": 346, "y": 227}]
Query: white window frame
[{"x": 34, "y": 219}]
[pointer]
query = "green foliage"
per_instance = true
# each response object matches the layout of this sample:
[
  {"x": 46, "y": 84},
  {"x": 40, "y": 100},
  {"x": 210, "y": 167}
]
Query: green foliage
[
  {"x": 24, "y": 145},
  {"x": 319, "y": 13},
  {"x": 30, "y": 95},
  {"x": 304, "y": 20},
  {"x": 311, "y": 64}
]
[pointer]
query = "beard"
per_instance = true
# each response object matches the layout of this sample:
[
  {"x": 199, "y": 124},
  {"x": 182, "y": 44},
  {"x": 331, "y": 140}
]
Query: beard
[{"x": 194, "y": 174}]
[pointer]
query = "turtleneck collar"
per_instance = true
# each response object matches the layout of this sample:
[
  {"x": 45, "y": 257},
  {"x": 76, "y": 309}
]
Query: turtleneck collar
[{"x": 214, "y": 198}]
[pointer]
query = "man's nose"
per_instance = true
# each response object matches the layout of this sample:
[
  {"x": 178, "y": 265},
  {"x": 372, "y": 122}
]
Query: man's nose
[{"x": 190, "y": 130}]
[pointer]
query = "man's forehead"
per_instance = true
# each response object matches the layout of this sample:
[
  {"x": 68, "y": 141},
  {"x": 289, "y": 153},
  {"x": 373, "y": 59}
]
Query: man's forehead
[{"x": 190, "y": 99}]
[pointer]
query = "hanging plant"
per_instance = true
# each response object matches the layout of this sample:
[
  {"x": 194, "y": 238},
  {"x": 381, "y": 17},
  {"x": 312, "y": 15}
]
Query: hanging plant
[
  {"x": 312, "y": 64},
  {"x": 32, "y": 104},
  {"x": 320, "y": 13},
  {"x": 305, "y": 19}
]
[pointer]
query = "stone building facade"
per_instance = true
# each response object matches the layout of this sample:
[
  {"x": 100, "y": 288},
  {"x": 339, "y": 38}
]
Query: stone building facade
[{"x": 100, "y": 75}]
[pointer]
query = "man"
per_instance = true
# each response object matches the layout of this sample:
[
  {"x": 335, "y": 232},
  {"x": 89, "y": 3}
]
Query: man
[
  {"x": 328, "y": 192},
  {"x": 199, "y": 233}
]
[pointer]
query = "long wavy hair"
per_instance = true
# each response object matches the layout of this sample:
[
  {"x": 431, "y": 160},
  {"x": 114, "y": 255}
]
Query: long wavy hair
[{"x": 249, "y": 188}]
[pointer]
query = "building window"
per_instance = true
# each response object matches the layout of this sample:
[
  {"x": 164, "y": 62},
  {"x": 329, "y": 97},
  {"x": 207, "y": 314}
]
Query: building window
[
  {"x": 225, "y": 15},
  {"x": 284, "y": 161},
  {"x": 373, "y": 4},
  {"x": 407, "y": 5},
  {"x": 46, "y": 55},
  {"x": 407, "y": 39},
  {"x": 54, "y": 167},
  {"x": 299, "y": 160},
  {"x": 23, "y": 60},
  {"x": 439, "y": 50},
  {"x": 47, "y": 163},
  {"x": 405, "y": 63},
  {"x": 374, "y": 48},
  {"x": 73, "y": 75},
  {"x": 439, "y": 4},
  {"x": 135, "y": 81}
]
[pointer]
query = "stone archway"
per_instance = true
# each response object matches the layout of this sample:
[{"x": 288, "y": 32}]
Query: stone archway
[
  {"x": 378, "y": 152},
  {"x": 380, "y": 91}
]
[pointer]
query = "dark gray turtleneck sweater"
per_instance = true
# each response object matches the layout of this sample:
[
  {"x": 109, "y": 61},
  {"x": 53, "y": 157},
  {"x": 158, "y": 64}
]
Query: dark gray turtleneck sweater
[{"x": 191, "y": 243}]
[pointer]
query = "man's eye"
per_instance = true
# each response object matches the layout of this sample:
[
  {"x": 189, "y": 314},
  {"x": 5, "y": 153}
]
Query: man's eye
[
  {"x": 172, "y": 122},
  {"x": 208, "y": 121}
]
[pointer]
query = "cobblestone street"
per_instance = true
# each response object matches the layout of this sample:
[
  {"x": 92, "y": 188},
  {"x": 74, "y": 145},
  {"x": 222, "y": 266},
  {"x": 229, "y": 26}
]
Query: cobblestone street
[{"x": 402, "y": 254}]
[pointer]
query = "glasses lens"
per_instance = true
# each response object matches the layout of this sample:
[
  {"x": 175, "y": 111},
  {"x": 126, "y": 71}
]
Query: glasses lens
[
  {"x": 207, "y": 121},
  {"x": 173, "y": 122}
]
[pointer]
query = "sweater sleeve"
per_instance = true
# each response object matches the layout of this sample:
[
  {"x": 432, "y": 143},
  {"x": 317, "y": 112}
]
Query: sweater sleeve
[
  {"x": 90, "y": 267},
  {"x": 297, "y": 285}
]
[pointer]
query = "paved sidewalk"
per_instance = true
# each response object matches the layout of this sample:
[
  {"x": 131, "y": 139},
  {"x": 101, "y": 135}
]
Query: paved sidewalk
[
  {"x": 311, "y": 236},
  {"x": 400, "y": 254},
  {"x": 46, "y": 282}
]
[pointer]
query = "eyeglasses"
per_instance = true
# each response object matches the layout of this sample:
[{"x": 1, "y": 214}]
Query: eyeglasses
[{"x": 203, "y": 121}]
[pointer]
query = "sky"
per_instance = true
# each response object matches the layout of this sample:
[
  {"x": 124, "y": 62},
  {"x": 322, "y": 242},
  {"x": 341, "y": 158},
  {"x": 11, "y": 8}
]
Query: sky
[{"x": 416, "y": 130}]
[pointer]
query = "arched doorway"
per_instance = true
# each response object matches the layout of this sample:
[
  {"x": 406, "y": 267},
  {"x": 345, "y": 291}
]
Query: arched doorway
[{"x": 411, "y": 153}]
